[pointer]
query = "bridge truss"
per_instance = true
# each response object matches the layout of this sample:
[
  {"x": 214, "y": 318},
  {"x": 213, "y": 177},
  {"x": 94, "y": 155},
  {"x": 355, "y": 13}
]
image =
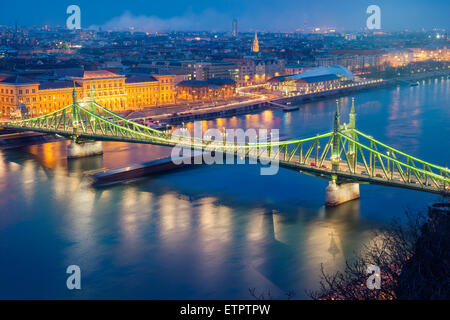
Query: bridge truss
[{"x": 343, "y": 155}]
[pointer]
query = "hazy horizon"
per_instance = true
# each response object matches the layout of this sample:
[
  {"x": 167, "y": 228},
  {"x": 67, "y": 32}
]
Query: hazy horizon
[{"x": 252, "y": 15}]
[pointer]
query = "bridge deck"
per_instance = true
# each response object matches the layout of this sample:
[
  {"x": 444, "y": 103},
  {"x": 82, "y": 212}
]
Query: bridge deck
[{"x": 94, "y": 122}]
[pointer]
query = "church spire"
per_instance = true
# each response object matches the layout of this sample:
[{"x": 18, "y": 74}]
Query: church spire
[{"x": 255, "y": 46}]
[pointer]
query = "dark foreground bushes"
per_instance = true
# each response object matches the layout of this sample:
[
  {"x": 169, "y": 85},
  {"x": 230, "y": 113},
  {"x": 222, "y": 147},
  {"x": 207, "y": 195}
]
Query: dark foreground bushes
[{"x": 413, "y": 260}]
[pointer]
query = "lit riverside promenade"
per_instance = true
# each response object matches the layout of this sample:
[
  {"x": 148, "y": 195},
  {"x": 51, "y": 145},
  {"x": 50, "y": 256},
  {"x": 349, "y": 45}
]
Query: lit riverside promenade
[{"x": 346, "y": 157}]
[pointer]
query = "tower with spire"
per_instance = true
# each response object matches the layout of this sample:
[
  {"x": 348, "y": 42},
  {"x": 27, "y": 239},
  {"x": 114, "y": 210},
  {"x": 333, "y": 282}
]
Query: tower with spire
[
  {"x": 74, "y": 94},
  {"x": 352, "y": 125},
  {"x": 335, "y": 154},
  {"x": 337, "y": 118},
  {"x": 234, "y": 28},
  {"x": 92, "y": 93},
  {"x": 255, "y": 45},
  {"x": 74, "y": 109},
  {"x": 352, "y": 116},
  {"x": 92, "y": 103}
]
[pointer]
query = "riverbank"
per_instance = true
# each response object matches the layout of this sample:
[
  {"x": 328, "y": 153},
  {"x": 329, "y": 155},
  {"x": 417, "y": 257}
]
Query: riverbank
[
  {"x": 262, "y": 104},
  {"x": 10, "y": 140},
  {"x": 254, "y": 105},
  {"x": 425, "y": 75},
  {"x": 213, "y": 112}
]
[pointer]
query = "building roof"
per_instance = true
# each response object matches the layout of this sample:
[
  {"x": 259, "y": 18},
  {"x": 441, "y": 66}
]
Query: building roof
[
  {"x": 221, "y": 81},
  {"x": 80, "y": 74},
  {"x": 193, "y": 83},
  {"x": 57, "y": 85},
  {"x": 321, "y": 71},
  {"x": 325, "y": 77},
  {"x": 16, "y": 79},
  {"x": 293, "y": 65},
  {"x": 356, "y": 51},
  {"x": 213, "y": 82},
  {"x": 99, "y": 74},
  {"x": 69, "y": 72},
  {"x": 137, "y": 79}
]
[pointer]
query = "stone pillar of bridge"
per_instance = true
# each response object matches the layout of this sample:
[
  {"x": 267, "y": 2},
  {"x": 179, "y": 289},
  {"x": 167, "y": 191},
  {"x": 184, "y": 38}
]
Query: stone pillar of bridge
[
  {"x": 340, "y": 193},
  {"x": 84, "y": 149}
]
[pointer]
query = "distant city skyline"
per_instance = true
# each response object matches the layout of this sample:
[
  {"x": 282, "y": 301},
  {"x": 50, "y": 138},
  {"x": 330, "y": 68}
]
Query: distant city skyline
[{"x": 252, "y": 15}]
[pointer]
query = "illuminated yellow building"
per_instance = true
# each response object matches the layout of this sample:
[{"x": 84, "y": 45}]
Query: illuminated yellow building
[
  {"x": 403, "y": 57},
  {"x": 113, "y": 91},
  {"x": 213, "y": 89}
]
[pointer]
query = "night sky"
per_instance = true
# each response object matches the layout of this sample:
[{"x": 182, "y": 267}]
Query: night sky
[{"x": 209, "y": 15}]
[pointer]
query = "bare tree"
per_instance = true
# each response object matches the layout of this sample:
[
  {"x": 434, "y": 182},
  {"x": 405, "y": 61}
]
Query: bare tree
[{"x": 389, "y": 250}]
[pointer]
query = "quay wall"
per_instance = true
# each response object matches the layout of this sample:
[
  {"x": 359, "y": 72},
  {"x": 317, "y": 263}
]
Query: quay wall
[{"x": 258, "y": 106}]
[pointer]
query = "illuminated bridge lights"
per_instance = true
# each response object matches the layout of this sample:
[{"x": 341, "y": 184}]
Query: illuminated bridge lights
[{"x": 344, "y": 155}]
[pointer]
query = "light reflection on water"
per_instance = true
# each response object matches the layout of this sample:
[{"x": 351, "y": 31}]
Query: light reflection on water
[{"x": 207, "y": 232}]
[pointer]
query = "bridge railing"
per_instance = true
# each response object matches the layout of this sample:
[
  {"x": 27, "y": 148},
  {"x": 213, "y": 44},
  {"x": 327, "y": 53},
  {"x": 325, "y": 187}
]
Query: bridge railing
[
  {"x": 413, "y": 161},
  {"x": 356, "y": 153},
  {"x": 386, "y": 165}
]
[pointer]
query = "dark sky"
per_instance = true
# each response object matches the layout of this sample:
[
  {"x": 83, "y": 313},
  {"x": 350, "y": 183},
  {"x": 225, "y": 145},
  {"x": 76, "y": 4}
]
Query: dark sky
[{"x": 216, "y": 15}]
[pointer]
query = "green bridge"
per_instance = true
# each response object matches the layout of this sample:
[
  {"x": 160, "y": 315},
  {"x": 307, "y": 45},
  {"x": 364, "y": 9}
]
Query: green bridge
[{"x": 346, "y": 157}]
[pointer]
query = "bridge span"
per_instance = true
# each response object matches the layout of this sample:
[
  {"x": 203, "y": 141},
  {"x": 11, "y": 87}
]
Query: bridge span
[{"x": 346, "y": 156}]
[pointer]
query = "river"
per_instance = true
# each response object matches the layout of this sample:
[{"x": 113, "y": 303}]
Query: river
[{"x": 209, "y": 232}]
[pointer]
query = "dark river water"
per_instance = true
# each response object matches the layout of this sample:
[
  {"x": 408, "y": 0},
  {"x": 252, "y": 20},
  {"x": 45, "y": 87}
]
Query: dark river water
[{"x": 208, "y": 232}]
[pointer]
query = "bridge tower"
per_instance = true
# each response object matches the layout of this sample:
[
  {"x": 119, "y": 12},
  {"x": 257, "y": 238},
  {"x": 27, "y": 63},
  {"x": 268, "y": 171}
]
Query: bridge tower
[
  {"x": 338, "y": 193},
  {"x": 335, "y": 156},
  {"x": 351, "y": 155},
  {"x": 79, "y": 148},
  {"x": 352, "y": 116},
  {"x": 74, "y": 109},
  {"x": 92, "y": 102}
]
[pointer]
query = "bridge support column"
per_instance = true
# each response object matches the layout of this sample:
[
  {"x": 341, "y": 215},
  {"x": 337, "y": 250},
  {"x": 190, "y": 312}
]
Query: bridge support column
[
  {"x": 84, "y": 149},
  {"x": 340, "y": 193}
]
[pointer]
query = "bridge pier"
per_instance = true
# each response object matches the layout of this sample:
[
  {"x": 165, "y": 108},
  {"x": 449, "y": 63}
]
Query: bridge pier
[
  {"x": 84, "y": 149},
  {"x": 340, "y": 193}
]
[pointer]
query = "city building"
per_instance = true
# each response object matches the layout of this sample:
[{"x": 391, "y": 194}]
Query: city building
[
  {"x": 321, "y": 78},
  {"x": 213, "y": 89},
  {"x": 295, "y": 68},
  {"x": 114, "y": 91},
  {"x": 256, "y": 71},
  {"x": 246, "y": 67},
  {"x": 234, "y": 27},
  {"x": 351, "y": 59}
]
